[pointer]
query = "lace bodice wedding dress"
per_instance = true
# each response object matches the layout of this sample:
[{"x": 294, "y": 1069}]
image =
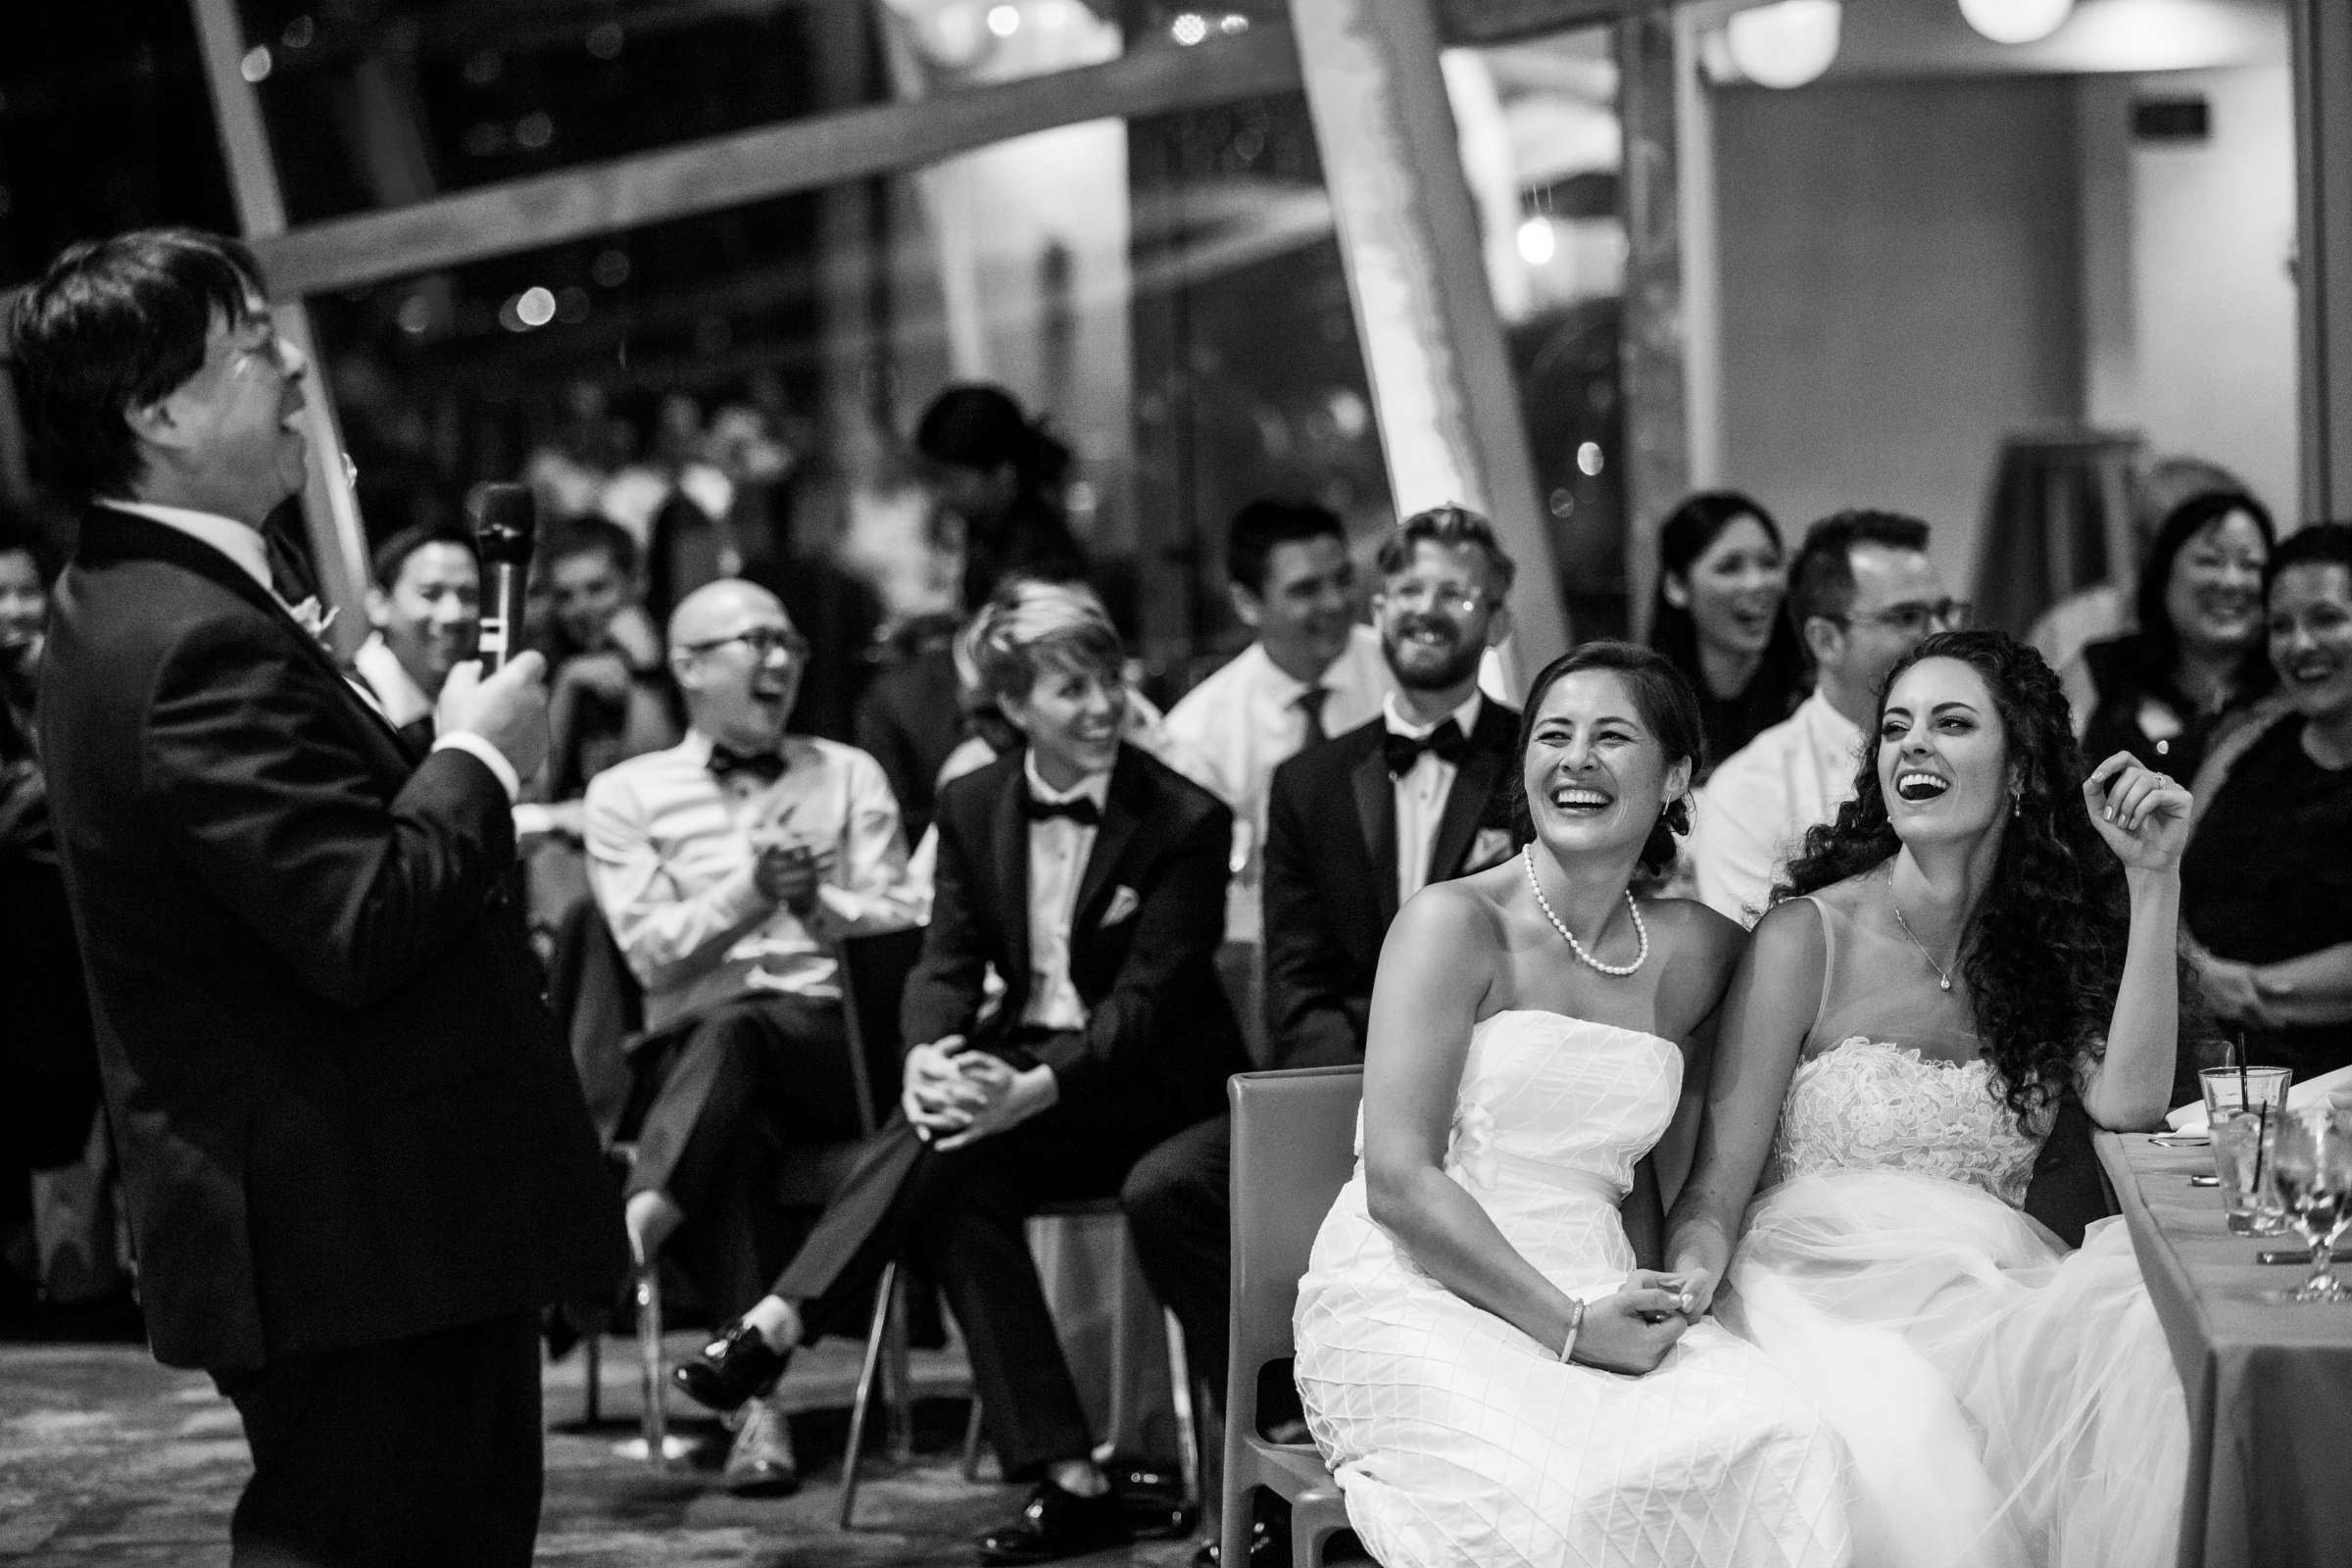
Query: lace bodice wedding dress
[
  {"x": 2006, "y": 1403},
  {"x": 1461, "y": 1441}
]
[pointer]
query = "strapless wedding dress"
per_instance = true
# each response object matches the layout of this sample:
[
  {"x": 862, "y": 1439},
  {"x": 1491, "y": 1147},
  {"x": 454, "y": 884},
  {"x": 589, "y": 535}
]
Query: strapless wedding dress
[
  {"x": 1458, "y": 1440},
  {"x": 2006, "y": 1403}
]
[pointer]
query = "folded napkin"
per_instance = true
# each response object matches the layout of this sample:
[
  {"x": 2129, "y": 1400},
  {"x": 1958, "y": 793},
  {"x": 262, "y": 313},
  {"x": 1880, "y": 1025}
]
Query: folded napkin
[{"x": 2191, "y": 1117}]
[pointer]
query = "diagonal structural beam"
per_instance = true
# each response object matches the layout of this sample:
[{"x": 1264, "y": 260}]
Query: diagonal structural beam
[
  {"x": 1441, "y": 374},
  {"x": 755, "y": 166}
]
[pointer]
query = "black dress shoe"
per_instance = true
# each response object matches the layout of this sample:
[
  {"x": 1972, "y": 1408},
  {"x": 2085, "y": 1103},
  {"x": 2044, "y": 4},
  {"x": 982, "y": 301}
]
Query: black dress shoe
[
  {"x": 1152, "y": 1498},
  {"x": 1057, "y": 1524},
  {"x": 736, "y": 1366}
]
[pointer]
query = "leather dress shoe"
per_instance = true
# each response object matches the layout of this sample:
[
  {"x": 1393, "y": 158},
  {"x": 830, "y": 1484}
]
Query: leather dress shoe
[
  {"x": 1152, "y": 1500},
  {"x": 1056, "y": 1524},
  {"x": 761, "y": 1464},
  {"x": 736, "y": 1366}
]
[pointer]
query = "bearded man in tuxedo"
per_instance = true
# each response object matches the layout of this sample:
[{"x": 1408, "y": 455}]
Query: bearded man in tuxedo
[{"x": 356, "y": 1155}]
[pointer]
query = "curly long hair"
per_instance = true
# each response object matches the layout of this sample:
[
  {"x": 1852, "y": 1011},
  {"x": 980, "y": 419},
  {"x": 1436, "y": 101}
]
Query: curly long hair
[{"x": 2044, "y": 952}]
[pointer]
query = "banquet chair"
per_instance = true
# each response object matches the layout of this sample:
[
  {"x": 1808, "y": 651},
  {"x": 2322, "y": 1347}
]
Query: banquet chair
[
  {"x": 873, "y": 970},
  {"x": 1294, "y": 1148}
]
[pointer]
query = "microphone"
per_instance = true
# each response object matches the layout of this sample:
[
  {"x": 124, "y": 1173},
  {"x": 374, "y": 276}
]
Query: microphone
[{"x": 505, "y": 525}]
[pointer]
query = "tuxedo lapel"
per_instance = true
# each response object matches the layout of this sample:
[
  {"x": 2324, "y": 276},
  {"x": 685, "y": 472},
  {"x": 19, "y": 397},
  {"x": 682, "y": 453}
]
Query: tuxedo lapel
[
  {"x": 109, "y": 536},
  {"x": 1122, "y": 813},
  {"x": 1474, "y": 780},
  {"x": 1009, "y": 844},
  {"x": 1376, "y": 815}
]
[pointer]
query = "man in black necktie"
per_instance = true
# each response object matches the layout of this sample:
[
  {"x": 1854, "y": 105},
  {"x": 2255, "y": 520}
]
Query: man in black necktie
[
  {"x": 727, "y": 866},
  {"x": 426, "y": 612},
  {"x": 1091, "y": 879},
  {"x": 1354, "y": 826},
  {"x": 356, "y": 1155}
]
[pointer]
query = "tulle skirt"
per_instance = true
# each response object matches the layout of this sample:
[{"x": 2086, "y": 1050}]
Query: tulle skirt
[{"x": 2006, "y": 1403}]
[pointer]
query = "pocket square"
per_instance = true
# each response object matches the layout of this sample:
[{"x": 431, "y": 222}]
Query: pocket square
[
  {"x": 1123, "y": 904},
  {"x": 1492, "y": 846}
]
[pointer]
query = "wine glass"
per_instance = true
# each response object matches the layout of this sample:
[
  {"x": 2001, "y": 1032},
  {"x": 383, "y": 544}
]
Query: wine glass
[{"x": 2311, "y": 1163}]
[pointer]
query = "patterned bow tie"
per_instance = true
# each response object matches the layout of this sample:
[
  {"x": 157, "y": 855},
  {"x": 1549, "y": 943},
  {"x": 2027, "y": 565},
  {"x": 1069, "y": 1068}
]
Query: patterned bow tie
[
  {"x": 765, "y": 766},
  {"x": 1402, "y": 751},
  {"x": 1079, "y": 809}
]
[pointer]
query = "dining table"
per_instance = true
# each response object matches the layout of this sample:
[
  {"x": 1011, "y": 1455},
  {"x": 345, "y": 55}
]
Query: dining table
[{"x": 2269, "y": 1383}]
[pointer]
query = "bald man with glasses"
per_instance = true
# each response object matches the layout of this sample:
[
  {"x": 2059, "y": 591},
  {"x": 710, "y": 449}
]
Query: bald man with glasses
[{"x": 726, "y": 865}]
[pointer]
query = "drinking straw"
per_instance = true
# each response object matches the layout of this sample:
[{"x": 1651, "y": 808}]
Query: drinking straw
[{"x": 2262, "y": 1127}]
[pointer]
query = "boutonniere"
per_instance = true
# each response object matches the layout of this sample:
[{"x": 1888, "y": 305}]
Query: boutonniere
[
  {"x": 1123, "y": 904},
  {"x": 314, "y": 618},
  {"x": 1492, "y": 846}
]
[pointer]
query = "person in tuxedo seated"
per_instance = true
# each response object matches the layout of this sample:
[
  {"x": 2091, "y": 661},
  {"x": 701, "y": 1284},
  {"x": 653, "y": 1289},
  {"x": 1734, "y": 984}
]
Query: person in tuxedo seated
[
  {"x": 426, "y": 611},
  {"x": 1091, "y": 878},
  {"x": 726, "y": 865},
  {"x": 356, "y": 1155},
  {"x": 1355, "y": 827}
]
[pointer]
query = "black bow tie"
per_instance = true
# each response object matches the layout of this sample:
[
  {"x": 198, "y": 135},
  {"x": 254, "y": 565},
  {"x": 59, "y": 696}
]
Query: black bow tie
[
  {"x": 765, "y": 766},
  {"x": 1403, "y": 750},
  {"x": 1079, "y": 809}
]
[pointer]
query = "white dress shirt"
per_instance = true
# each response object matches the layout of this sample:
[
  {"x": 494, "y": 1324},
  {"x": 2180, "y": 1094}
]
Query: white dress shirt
[
  {"x": 1421, "y": 795},
  {"x": 1058, "y": 848},
  {"x": 395, "y": 692},
  {"x": 243, "y": 546},
  {"x": 672, "y": 852},
  {"x": 1244, "y": 720},
  {"x": 1754, "y": 810}
]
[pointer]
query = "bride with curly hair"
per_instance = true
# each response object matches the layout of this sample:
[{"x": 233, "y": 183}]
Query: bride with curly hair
[{"x": 1984, "y": 928}]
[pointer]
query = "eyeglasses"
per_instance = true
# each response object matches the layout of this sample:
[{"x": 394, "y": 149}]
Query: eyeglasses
[
  {"x": 1945, "y": 615},
  {"x": 762, "y": 641},
  {"x": 1412, "y": 595}
]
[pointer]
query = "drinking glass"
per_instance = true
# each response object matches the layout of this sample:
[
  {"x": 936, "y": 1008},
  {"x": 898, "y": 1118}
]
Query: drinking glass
[
  {"x": 2228, "y": 1089},
  {"x": 2311, "y": 1160},
  {"x": 2242, "y": 1146}
]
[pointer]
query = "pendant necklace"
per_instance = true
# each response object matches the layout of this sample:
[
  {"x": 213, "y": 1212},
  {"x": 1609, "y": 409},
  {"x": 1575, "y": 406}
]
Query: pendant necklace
[
  {"x": 1944, "y": 976},
  {"x": 1528, "y": 857}
]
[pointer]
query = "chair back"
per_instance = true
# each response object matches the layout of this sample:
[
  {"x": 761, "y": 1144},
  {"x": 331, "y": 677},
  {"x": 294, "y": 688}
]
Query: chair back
[
  {"x": 1294, "y": 1148},
  {"x": 873, "y": 977}
]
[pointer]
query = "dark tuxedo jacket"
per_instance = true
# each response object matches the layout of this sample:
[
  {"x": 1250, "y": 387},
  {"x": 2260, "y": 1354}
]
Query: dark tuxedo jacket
[
  {"x": 1331, "y": 876},
  {"x": 342, "y": 1107},
  {"x": 1160, "y": 1038}
]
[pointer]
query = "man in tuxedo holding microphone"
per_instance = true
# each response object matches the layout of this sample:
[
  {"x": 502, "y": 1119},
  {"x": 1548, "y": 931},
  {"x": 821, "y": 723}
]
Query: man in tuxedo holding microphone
[{"x": 356, "y": 1155}]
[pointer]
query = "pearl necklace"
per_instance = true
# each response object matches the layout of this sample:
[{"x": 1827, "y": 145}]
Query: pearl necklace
[
  {"x": 1944, "y": 976},
  {"x": 1528, "y": 857}
]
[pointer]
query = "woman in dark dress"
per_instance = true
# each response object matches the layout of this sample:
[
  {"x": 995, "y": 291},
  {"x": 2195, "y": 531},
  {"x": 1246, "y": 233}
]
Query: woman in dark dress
[
  {"x": 2267, "y": 881},
  {"x": 2197, "y": 657},
  {"x": 1722, "y": 575},
  {"x": 1002, "y": 474}
]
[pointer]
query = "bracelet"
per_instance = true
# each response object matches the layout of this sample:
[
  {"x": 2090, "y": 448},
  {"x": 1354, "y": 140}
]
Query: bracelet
[{"x": 1576, "y": 1321}]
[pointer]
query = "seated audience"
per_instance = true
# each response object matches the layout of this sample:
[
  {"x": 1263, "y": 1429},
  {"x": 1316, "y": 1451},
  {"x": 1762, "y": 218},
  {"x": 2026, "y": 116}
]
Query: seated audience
[
  {"x": 1355, "y": 827},
  {"x": 2157, "y": 692},
  {"x": 610, "y": 694},
  {"x": 2104, "y": 608},
  {"x": 427, "y": 610},
  {"x": 1091, "y": 879},
  {"x": 1722, "y": 576},
  {"x": 1862, "y": 591},
  {"x": 2267, "y": 881},
  {"x": 1313, "y": 672},
  {"x": 726, "y": 865}
]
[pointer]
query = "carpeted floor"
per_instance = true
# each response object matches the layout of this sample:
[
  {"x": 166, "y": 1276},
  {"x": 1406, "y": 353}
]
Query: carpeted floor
[{"x": 107, "y": 1458}]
